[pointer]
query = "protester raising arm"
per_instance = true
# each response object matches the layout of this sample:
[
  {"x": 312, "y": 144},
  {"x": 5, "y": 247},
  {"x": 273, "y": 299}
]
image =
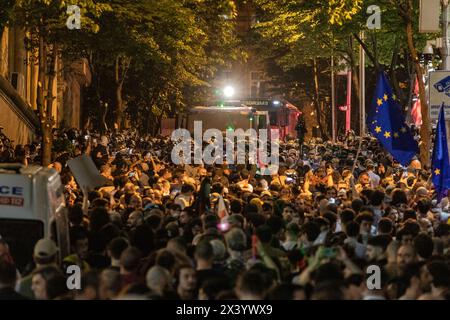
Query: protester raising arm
[
  {"x": 85, "y": 206},
  {"x": 267, "y": 260},
  {"x": 355, "y": 193},
  {"x": 330, "y": 181},
  {"x": 307, "y": 184},
  {"x": 342, "y": 256},
  {"x": 305, "y": 277}
]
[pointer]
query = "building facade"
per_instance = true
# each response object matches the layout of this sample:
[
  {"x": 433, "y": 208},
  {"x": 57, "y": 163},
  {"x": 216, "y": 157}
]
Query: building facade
[{"x": 18, "y": 89}]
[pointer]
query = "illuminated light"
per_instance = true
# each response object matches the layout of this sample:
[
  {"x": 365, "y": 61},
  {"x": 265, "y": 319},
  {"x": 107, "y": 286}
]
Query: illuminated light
[
  {"x": 228, "y": 91},
  {"x": 312, "y": 113},
  {"x": 276, "y": 103},
  {"x": 230, "y": 128}
]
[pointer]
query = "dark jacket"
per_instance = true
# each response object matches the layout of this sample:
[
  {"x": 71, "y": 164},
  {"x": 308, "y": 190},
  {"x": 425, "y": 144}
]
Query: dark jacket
[{"x": 10, "y": 294}]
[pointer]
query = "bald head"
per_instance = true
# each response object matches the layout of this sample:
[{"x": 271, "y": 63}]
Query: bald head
[{"x": 158, "y": 279}]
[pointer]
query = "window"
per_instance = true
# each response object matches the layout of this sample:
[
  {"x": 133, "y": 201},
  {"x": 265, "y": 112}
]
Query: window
[
  {"x": 257, "y": 84},
  {"x": 262, "y": 89},
  {"x": 256, "y": 75},
  {"x": 227, "y": 75},
  {"x": 21, "y": 235},
  {"x": 254, "y": 91}
]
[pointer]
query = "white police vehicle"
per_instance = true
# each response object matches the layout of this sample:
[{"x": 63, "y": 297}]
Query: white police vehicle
[{"x": 32, "y": 207}]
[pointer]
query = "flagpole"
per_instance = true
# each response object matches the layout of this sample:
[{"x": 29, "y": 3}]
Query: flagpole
[{"x": 362, "y": 98}]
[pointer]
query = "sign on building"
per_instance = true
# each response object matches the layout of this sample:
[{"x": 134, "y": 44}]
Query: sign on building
[
  {"x": 430, "y": 12},
  {"x": 439, "y": 92}
]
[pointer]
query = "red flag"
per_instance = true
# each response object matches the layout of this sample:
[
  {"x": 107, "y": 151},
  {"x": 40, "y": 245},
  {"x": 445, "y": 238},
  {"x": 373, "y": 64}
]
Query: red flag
[{"x": 416, "y": 111}]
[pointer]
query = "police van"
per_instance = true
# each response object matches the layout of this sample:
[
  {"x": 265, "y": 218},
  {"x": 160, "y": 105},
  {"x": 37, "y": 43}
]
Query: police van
[
  {"x": 226, "y": 118},
  {"x": 32, "y": 207}
]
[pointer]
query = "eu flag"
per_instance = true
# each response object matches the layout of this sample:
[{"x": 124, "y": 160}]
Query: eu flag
[
  {"x": 440, "y": 164},
  {"x": 386, "y": 123}
]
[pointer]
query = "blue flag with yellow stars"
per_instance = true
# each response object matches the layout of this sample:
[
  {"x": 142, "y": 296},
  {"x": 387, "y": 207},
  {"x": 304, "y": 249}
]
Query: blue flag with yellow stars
[
  {"x": 440, "y": 164},
  {"x": 386, "y": 122}
]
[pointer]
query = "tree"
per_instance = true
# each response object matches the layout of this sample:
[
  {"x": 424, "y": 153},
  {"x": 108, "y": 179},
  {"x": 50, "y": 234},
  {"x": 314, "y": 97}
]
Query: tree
[
  {"x": 304, "y": 33},
  {"x": 405, "y": 9},
  {"x": 163, "y": 55},
  {"x": 301, "y": 29},
  {"x": 5, "y": 13},
  {"x": 45, "y": 23}
]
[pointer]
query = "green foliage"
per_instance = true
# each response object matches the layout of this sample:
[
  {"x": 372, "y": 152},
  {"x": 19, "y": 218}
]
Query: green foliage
[
  {"x": 5, "y": 13},
  {"x": 175, "y": 47},
  {"x": 163, "y": 52}
]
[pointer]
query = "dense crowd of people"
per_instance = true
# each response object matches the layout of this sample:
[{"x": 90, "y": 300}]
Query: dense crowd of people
[{"x": 309, "y": 232}]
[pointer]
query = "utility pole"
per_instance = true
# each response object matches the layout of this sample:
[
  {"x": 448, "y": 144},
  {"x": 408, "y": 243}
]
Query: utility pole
[
  {"x": 348, "y": 110},
  {"x": 333, "y": 102},
  {"x": 362, "y": 81},
  {"x": 445, "y": 35}
]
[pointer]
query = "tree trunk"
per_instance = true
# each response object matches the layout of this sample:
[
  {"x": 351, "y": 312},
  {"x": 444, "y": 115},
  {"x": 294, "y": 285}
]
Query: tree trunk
[
  {"x": 121, "y": 68},
  {"x": 425, "y": 129},
  {"x": 119, "y": 100},
  {"x": 158, "y": 123},
  {"x": 316, "y": 101},
  {"x": 104, "y": 126},
  {"x": 46, "y": 147},
  {"x": 49, "y": 121},
  {"x": 148, "y": 120}
]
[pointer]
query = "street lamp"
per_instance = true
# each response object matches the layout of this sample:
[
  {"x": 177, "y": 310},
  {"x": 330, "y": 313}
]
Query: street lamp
[{"x": 228, "y": 91}]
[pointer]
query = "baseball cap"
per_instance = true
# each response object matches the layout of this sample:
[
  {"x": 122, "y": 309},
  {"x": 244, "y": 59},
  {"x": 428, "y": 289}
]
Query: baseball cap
[
  {"x": 256, "y": 201},
  {"x": 45, "y": 248},
  {"x": 266, "y": 193}
]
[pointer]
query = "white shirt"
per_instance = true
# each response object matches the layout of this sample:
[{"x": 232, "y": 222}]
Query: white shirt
[
  {"x": 360, "y": 249},
  {"x": 289, "y": 245},
  {"x": 374, "y": 179},
  {"x": 321, "y": 238}
]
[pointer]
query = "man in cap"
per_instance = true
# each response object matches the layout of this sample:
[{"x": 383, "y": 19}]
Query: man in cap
[
  {"x": 44, "y": 255},
  {"x": 266, "y": 195}
]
